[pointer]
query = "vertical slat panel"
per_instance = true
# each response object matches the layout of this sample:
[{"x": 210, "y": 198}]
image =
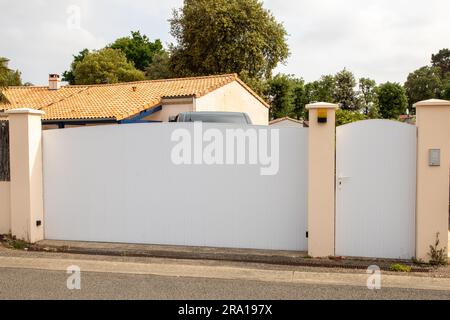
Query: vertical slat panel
[
  {"x": 118, "y": 184},
  {"x": 376, "y": 189}
]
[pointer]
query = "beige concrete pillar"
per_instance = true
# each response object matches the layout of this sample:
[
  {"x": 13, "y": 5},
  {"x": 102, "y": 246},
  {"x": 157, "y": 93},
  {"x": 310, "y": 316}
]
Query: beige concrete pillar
[
  {"x": 27, "y": 212},
  {"x": 433, "y": 125},
  {"x": 5, "y": 210},
  {"x": 321, "y": 180}
]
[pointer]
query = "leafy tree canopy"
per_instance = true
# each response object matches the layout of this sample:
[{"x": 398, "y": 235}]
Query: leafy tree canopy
[
  {"x": 159, "y": 67},
  {"x": 321, "y": 90},
  {"x": 430, "y": 81},
  {"x": 441, "y": 60},
  {"x": 424, "y": 83},
  {"x": 281, "y": 96},
  {"x": 105, "y": 66},
  {"x": 287, "y": 96},
  {"x": 300, "y": 99},
  {"x": 138, "y": 49},
  {"x": 226, "y": 36},
  {"x": 446, "y": 90},
  {"x": 366, "y": 95},
  {"x": 68, "y": 75},
  {"x": 8, "y": 77},
  {"x": 391, "y": 99},
  {"x": 348, "y": 116},
  {"x": 140, "y": 52},
  {"x": 344, "y": 90},
  {"x": 260, "y": 86}
]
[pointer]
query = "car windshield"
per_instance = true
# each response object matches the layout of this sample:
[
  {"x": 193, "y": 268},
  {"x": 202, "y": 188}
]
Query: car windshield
[{"x": 217, "y": 118}]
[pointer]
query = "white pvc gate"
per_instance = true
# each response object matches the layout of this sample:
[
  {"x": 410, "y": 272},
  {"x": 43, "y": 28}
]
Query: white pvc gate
[
  {"x": 118, "y": 184},
  {"x": 375, "y": 189}
]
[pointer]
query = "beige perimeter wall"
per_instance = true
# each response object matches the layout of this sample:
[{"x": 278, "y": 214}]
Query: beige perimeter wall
[
  {"x": 235, "y": 98},
  {"x": 5, "y": 213}
]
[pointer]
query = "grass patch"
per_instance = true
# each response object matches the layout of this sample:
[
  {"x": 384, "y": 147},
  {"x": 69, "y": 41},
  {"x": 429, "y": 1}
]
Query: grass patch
[
  {"x": 398, "y": 267},
  {"x": 19, "y": 244},
  {"x": 13, "y": 243}
]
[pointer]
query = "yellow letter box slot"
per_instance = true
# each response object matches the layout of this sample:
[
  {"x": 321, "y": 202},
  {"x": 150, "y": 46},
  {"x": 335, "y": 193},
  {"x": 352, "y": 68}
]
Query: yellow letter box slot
[{"x": 322, "y": 116}]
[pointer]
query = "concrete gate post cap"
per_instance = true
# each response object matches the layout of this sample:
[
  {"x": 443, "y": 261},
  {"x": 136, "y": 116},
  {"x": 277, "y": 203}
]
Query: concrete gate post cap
[
  {"x": 322, "y": 105},
  {"x": 25, "y": 111},
  {"x": 432, "y": 103}
]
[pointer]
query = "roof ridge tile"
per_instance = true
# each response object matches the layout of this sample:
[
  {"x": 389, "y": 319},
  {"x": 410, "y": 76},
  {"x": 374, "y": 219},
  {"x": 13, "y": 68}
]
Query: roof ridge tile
[{"x": 231, "y": 75}]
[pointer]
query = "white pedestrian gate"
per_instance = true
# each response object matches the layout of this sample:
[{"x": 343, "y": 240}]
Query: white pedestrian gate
[{"x": 375, "y": 189}]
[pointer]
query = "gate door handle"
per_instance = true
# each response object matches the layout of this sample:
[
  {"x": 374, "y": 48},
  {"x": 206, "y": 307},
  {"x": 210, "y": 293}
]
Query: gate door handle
[{"x": 341, "y": 179}]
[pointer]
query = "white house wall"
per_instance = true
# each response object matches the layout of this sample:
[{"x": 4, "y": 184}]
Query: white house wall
[
  {"x": 171, "y": 109},
  {"x": 234, "y": 97}
]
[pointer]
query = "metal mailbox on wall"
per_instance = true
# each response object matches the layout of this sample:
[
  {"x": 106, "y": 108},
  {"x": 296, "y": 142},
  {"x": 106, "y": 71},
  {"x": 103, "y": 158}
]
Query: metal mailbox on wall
[{"x": 434, "y": 157}]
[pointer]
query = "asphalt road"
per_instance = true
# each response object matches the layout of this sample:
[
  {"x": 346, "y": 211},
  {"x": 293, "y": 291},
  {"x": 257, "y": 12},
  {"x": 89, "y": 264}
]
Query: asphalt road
[{"x": 47, "y": 284}]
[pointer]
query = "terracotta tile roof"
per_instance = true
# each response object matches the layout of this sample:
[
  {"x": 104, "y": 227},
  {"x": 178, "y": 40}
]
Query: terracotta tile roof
[
  {"x": 112, "y": 101},
  {"x": 35, "y": 97}
]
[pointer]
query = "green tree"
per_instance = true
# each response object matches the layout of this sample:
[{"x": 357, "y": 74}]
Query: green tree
[
  {"x": 287, "y": 96},
  {"x": 105, "y": 66},
  {"x": 68, "y": 75},
  {"x": 374, "y": 111},
  {"x": 424, "y": 83},
  {"x": 348, "y": 116},
  {"x": 366, "y": 94},
  {"x": 159, "y": 67},
  {"x": 138, "y": 49},
  {"x": 281, "y": 97},
  {"x": 391, "y": 100},
  {"x": 260, "y": 86},
  {"x": 300, "y": 99},
  {"x": 344, "y": 91},
  {"x": 441, "y": 60},
  {"x": 446, "y": 90},
  {"x": 8, "y": 77},
  {"x": 321, "y": 90},
  {"x": 226, "y": 36}
]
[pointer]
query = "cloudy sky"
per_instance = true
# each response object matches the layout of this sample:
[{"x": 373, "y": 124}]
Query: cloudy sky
[{"x": 381, "y": 39}]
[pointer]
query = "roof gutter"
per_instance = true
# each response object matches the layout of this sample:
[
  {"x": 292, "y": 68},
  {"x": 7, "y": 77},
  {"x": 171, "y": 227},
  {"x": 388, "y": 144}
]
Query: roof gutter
[
  {"x": 76, "y": 121},
  {"x": 80, "y": 122}
]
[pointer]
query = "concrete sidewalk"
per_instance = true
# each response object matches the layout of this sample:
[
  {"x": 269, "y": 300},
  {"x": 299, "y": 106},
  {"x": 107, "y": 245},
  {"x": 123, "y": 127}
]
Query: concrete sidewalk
[
  {"x": 168, "y": 269},
  {"x": 205, "y": 253}
]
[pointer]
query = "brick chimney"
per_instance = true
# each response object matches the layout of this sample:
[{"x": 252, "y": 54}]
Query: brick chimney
[{"x": 54, "y": 82}]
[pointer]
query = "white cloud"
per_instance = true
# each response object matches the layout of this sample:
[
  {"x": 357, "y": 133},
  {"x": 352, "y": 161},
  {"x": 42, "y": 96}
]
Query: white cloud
[
  {"x": 36, "y": 38},
  {"x": 381, "y": 39}
]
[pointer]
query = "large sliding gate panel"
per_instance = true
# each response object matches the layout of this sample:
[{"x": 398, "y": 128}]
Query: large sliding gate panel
[{"x": 118, "y": 184}]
